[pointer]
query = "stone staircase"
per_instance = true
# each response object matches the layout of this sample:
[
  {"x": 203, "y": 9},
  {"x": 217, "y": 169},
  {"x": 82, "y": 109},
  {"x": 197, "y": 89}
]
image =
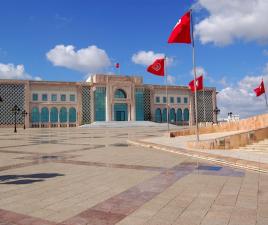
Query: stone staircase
[{"x": 261, "y": 146}]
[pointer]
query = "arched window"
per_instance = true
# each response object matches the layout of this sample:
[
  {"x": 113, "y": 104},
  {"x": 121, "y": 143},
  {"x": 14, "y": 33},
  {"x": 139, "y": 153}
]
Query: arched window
[
  {"x": 158, "y": 116},
  {"x": 172, "y": 116},
  {"x": 44, "y": 115},
  {"x": 186, "y": 114},
  {"x": 179, "y": 115},
  {"x": 164, "y": 115},
  {"x": 35, "y": 115},
  {"x": 119, "y": 93},
  {"x": 54, "y": 115},
  {"x": 63, "y": 115},
  {"x": 72, "y": 115}
]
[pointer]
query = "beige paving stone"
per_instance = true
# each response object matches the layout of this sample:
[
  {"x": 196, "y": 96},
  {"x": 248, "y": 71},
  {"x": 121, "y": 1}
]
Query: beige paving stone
[
  {"x": 242, "y": 216},
  {"x": 262, "y": 221},
  {"x": 201, "y": 197}
]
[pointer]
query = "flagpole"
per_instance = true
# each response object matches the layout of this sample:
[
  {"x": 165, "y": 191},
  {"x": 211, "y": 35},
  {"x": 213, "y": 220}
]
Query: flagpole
[
  {"x": 166, "y": 92},
  {"x": 265, "y": 94},
  {"x": 204, "y": 104},
  {"x": 195, "y": 91}
]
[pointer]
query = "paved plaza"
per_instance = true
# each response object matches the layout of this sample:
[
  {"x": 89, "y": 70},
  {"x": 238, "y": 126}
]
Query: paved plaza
[{"x": 93, "y": 176}]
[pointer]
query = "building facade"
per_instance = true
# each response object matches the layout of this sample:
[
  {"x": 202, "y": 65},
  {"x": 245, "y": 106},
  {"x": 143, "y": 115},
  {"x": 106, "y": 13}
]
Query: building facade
[{"x": 103, "y": 98}]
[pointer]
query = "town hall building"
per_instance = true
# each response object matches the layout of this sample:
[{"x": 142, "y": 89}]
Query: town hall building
[{"x": 103, "y": 98}]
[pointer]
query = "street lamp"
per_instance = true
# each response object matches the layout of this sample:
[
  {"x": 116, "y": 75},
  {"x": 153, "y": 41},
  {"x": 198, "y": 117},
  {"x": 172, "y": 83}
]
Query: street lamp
[
  {"x": 24, "y": 114},
  {"x": 216, "y": 111},
  {"x": 15, "y": 110}
]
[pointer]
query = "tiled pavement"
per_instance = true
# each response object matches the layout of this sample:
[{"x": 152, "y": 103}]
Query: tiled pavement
[{"x": 92, "y": 176}]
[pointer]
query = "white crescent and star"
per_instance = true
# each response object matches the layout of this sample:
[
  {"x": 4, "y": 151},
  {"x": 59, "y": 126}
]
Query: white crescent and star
[{"x": 157, "y": 66}]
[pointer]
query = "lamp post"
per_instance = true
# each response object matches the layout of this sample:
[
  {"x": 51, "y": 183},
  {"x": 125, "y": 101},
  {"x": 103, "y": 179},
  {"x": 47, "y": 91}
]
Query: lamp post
[
  {"x": 216, "y": 111},
  {"x": 24, "y": 114},
  {"x": 15, "y": 110}
]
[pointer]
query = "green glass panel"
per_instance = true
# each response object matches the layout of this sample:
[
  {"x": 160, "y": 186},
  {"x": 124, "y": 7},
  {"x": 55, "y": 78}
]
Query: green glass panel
[
  {"x": 44, "y": 97},
  {"x": 54, "y": 115},
  {"x": 35, "y": 97},
  {"x": 164, "y": 115},
  {"x": 186, "y": 114},
  {"x": 119, "y": 93},
  {"x": 53, "y": 97},
  {"x": 63, "y": 115},
  {"x": 139, "y": 97},
  {"x": 172, "y": 116},
  {"x": 44, "y": 115},
  {"x": 72, "y": 115},
  {"x": 120, "y": 112},
  {"x": 158, "y": 117},
  {"x": 100, "y": 108},
  {"x": 179, "y": 115},
  {"x": 63, "y": 98},
  {"x": 35, "y": 115}
]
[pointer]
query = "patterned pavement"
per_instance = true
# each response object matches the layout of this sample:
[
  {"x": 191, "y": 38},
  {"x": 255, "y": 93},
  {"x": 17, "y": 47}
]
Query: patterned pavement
[{"x": 94, "y": 177}]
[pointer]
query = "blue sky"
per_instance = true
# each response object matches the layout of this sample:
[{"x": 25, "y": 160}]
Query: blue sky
[{"x": 122, "y": 28}]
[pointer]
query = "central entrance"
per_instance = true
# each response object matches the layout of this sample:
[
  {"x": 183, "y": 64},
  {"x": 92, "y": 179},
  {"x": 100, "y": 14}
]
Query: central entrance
[{"x": 120, "y": 112}]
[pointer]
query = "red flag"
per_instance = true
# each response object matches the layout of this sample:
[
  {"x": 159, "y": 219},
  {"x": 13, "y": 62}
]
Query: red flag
[
  {"x": 260, "y": 90},
  {"x": 199, "y": 84},
  {"x": 117, "y": 65},
  {"x": 181, "y": 33},
  {"x": 157, "y": 68}
]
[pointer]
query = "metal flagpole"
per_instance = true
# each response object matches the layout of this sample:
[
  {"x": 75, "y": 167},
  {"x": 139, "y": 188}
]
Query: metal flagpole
[
  {"x": 204, "y": 103},
  {"x": 265, "y": 94},
  {"x": 166, "y": 92},
  {"x": 195, "y": 92}
]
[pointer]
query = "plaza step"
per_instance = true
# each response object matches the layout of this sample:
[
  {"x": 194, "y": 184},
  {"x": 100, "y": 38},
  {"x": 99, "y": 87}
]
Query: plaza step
[{"x": 261, "y": 146}]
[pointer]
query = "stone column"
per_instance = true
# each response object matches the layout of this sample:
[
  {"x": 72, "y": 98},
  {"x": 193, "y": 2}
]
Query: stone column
[
  {"x": 108, "y": 94},
  {"x": 133, "y": 104}
]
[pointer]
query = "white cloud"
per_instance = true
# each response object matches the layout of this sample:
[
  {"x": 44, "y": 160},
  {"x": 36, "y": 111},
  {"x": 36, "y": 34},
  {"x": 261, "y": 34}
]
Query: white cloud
[
  {"x": 89, "y": 60},
  {"x": 146, "y": 58},
  {"x": 11, "y": 71},
  {"x": 233, "y": 19},
  {"x": 199, "y": 71},
  {"x": 223, "y": 82},
  {"x": 171, "y": 80},
  {"x": 265, "y": 52},
  {"x": 241, "y": 99}
]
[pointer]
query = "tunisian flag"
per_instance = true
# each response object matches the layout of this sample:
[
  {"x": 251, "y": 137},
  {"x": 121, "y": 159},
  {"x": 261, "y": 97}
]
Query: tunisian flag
[
  {"x": 199, "y": 84},
  {"x": 117, "y": 65},
  {"x": 181, "y": 33},
  {"x": 260, "y": 90},
  {"x": 157, "y": 68}
]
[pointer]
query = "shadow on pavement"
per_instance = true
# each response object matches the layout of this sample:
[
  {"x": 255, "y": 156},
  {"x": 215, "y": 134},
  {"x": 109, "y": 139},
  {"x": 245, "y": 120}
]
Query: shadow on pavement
[{"x": 27, "y": 178}]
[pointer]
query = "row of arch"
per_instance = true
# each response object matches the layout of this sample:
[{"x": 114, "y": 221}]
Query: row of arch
[
  {"x": 180, "y": 115},
  {"x": 54, "y": 116}
]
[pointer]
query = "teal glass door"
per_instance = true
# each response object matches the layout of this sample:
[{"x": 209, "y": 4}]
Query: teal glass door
[
  {"x": 120, "y": 116},
  {"x": 120, "y": 112}
]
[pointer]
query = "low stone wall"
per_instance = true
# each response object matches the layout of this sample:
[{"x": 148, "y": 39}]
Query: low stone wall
[
  {"x": 251, "y": 123},
  {"x": 232, "y": 141}
]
